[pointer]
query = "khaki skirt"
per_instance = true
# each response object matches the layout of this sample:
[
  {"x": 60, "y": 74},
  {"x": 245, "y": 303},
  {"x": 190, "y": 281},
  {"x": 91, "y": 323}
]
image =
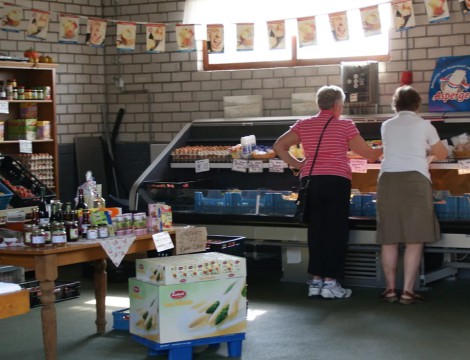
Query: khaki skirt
[{"x": 405, "y": 209}]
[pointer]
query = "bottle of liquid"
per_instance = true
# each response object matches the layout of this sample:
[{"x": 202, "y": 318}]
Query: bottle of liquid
[
  {"x": 43, "y": 213},
  {"x": 85, "y": 223},
  {"x": 81, "y": 205},
  {"x": 98, "y": 201}
]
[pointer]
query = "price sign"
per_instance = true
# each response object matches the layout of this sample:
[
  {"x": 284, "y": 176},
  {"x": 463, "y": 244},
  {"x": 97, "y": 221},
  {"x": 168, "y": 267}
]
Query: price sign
[
  {"x": 239, "y": 165},
  {"x": 202, "y": 165},
  {"x": 26, "y": 146},
  {"x": 162, "y": 241},
  {"x": 255, "y": 166},
  {"x": 3, "y": 107},
  {"x": 276, "y": 165},
  {"x": 358, "y": 165},
  {"x": 463, "y": 167},
  {"x": 190, "y": 240}
]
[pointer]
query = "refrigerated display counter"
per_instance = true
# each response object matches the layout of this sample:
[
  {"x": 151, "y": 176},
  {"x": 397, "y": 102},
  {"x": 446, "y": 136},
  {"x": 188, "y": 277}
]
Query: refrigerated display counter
[{"x": 202, "y": 193}]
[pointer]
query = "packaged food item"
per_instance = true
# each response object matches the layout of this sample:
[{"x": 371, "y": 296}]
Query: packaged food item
[{"x": 43, "y": 130}]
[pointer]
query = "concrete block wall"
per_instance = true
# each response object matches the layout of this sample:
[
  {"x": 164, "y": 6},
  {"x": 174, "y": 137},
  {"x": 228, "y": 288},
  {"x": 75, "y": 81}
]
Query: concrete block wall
[{"x": 162, "y": 92}]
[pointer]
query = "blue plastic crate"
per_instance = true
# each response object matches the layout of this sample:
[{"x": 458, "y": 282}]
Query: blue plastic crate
[
  {"x": 5, "y": 198},
  {"x": 182, "y": 350},
  {"x": 121, "y": 319}
]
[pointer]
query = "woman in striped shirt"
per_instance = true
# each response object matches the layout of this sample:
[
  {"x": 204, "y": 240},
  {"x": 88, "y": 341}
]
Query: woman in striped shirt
[{"x": 330, "y": 186}]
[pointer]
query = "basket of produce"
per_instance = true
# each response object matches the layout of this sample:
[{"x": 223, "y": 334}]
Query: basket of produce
[{"x": 24, "y": 186}]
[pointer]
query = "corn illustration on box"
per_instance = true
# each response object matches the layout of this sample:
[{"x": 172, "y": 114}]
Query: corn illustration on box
[
  {"x": 180, "y": 312},
  {"x": 190, "y": 268}
]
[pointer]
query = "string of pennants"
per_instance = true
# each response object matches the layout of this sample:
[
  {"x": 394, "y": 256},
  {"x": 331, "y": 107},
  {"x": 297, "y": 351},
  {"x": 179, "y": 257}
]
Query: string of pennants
[{"x": 96, "y": 28}]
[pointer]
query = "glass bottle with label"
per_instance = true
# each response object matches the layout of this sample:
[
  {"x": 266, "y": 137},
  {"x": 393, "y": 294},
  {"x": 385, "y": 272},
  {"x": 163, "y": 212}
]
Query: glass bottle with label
[
  {"x": 80, "y": 207},
  {"x": 43, "y": 213},
  {"x": 72, "y": 231},
  {"x": 85, "y": 223},
  {"x": 27, "y": 231}
]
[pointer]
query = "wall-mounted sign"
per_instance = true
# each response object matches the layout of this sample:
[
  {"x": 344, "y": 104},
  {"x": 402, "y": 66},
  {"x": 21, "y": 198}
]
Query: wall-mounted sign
[{"x": 449, "y": 89}]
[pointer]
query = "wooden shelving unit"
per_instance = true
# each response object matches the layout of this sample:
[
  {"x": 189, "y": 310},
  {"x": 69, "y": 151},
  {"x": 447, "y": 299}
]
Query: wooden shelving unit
[{"x": 32, "y": 75}]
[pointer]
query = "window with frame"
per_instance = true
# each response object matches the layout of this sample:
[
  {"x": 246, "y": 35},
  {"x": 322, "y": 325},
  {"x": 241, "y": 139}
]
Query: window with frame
[{"x": 326, "y": 51}]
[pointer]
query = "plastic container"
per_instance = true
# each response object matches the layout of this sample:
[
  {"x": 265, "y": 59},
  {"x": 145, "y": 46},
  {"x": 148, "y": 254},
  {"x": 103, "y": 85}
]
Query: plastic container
[
  {"x": 232, "y": 245},
  {"x": 64, "y": 290},
  {"x": 121, "y": 319},
  {"x": 5, "y": 197}
]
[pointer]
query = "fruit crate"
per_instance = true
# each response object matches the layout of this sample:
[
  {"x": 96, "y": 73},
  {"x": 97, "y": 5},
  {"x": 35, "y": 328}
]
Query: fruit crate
[
  {"x": 24, "y": 186},
  {"x": 121, "y": 319},
  {"x": 64, "y": 290}
]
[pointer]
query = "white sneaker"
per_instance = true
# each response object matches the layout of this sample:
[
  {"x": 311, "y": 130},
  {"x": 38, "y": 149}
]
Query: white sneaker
[
  {"x": 314, "y": 288},
  {"x": 335, "y": 291}
]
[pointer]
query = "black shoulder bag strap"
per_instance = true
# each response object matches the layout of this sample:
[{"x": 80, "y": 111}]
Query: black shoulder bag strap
[{"x": 316, "y": 151}]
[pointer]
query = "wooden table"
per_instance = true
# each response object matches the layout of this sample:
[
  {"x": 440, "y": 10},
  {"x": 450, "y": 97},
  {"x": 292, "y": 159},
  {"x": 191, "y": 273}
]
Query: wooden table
[{"x": 46, "y": 261}]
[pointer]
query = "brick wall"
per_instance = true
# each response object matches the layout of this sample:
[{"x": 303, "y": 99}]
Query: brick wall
[{"x": 165, "y": 91}]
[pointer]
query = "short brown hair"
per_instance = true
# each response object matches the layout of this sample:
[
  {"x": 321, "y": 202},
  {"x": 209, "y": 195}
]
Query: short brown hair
[{"x": 406, "y": 98}]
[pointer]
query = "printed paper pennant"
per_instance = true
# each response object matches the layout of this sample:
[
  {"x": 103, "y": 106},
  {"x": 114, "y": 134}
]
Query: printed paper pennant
[
  {"x": 370, "y": 17},
  {"x": 403, "y": 14},
  {"x": 116, "y": 247},
  {"x": 339, "y": 25},
  {"x": 95, "y": 32},
  {"x": 215, "y": 38},
  {"x": 125, "y": 38},
  {"x": 277, "y": 34},
  {"x": 38, "y": 24},
  {"x": 307, "y": 31},
  {"x": 465, "y": 6},
  {"x": 11, "y": 17},
  {"x": 245, "y": 36},
  {"x": 155, "y": 38},
  {"x": 68, "y": 29},
  {"x": 437, "y": 10},
  {"x": 185, "y": 37}
]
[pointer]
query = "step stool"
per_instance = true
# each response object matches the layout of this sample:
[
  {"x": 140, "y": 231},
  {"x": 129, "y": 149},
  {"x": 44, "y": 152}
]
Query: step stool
[{"x": 183, "y": 350}]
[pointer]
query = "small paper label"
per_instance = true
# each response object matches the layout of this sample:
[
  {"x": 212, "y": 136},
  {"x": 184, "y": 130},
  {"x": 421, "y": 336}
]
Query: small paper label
[
  {"x": 358, "y": 165},
  {"x": 276, "y": 165},
  {"x": 162, "y": 241},
  {"x": 464, "y": 167},
  {"x": 202, "y": 165},
  {"x": 191, "y": 240},
  {"x": 26, "y": 146},
  {"x": 255, "y": 166},
  {"x": 239, "y": 165},
  {"x": 3, "y": 107}
]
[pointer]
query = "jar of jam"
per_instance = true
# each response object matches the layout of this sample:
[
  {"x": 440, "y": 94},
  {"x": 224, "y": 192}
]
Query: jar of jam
[
  {"x": 92, "y": 232},
  {"x": 21, "y": 95},
  {"x": 103, "y": 231},
  {"x": 38, "y": 238},
  {"x": 72, "y": 231},
  {"x": 27, "y": 230},
  {"x": 11, "y": 82},
  {"x": 58, "y": 234},
  {"x": 28, "y": 94}
]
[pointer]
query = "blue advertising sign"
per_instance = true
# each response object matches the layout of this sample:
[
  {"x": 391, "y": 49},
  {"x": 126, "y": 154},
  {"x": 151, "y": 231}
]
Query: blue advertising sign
[{"x": 449, "y": 90}]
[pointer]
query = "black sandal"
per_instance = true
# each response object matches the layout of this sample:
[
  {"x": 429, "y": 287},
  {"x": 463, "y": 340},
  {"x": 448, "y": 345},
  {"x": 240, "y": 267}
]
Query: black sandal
[
  {"x": 389, "y": 296},
  {"x": 411, "y": 298}
]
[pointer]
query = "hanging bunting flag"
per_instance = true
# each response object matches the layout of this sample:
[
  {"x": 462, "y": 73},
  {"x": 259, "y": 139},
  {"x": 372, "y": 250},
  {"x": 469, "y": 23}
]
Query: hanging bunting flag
[
  {"x": 155, "y": 38},
  {"x": 68, "y": 29},
  {"x": 465, "y": 6},
  {"x": 11, "y": 17},
  {"x": 185, "y": 37},
  {"x": 125, "y": 38},
  {"x": 339, "y": 25},
  {"x": 245, "y": 36},
  {"x": 215, "y": 38},
  {"x": 38, "y": 24},
  {"x": 277, "y": 34},
  {"x": 307, "y": 31},
  {"x": 403, "y": 14},
  {"x": 437, "y": 10},
  {"x": 370, "y": 17},
  {"x": 449, "y": 89},
  {"x": 95, "y": 32}
]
